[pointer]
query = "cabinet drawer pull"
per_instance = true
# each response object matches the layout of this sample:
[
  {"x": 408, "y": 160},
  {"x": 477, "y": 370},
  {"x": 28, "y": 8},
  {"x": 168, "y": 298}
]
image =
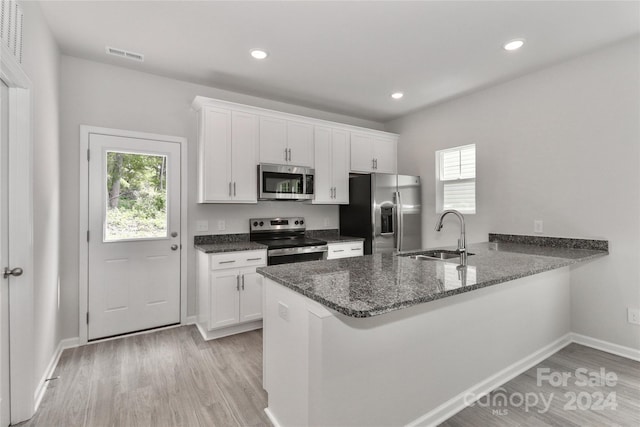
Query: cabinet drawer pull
[
  {"x": 338, "y": 250},
  {"x": 254, "y": 259},
  {"x": 355, "y": 249},
  {"x": 226, "y": 262}
]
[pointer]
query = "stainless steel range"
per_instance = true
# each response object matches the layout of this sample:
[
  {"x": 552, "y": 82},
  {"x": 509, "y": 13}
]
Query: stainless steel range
[{"x": 285, "y": 240}]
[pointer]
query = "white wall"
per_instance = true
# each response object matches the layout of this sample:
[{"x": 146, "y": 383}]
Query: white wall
[
  {"x": 102, "y": 95},
  {"x": 41, "y": 62},
  {"x": 560, "y": 145}
]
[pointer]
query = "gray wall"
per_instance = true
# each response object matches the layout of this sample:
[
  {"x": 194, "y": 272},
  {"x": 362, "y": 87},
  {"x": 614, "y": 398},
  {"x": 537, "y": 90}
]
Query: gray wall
[
  {"x": 560, "y": 145},
  {"x": 41, "y": 62},
  {"x": 102, "y": 95}
]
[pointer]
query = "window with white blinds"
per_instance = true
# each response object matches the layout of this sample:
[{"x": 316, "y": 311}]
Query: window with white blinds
[{"x": 456, "y": 179}]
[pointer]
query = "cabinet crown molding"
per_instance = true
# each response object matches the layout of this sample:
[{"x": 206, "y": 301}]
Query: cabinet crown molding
[{"x": 199, "y": 102}]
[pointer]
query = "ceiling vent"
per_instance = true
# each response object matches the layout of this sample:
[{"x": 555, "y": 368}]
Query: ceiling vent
[
  {"x": 11, "y": 19},
  {"x": 125, "y": 54}
]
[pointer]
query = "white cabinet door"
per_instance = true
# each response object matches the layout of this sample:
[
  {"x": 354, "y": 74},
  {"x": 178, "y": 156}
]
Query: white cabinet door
[
  {"x": 225, "y": 298},
  {"x": 323, "y": 182},
  {"x": 273, "y": 141},
  {"x": 244, "y": 131},
  {"x": 385, "y": 155},
  {"x": 300, "y": 144},
  {"x": 250, "y": 295},
  {"x": 214, "y": 157},
  {"x": 340, "y": 165},
  {"x": 361, "y": 152}
]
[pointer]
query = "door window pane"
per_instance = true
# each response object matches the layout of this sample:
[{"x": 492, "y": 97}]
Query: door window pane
[{"x": 136, "y": 189}]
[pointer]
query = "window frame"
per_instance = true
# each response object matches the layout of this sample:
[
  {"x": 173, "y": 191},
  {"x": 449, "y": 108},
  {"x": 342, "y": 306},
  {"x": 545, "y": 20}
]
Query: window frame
[{"x": 440, "y": 183}]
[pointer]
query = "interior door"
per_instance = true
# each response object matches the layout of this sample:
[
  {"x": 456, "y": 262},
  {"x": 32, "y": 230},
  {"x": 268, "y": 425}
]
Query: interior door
[
  {"x": 134, "y": 227},
  {"x": 5, "y": 402}
]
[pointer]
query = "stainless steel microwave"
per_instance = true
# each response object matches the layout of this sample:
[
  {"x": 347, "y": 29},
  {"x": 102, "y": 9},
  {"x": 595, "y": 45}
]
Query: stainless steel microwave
[{"x": 285, "y": 182}]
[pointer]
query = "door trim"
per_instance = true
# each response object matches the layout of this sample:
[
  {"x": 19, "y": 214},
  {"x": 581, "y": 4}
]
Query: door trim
[
  {"x": 21, "y": 309},
  {"x": 83, "y": 223}
]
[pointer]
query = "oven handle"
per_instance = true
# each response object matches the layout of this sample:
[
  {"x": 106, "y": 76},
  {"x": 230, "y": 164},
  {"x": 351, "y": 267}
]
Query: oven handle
[{"x": 295, "y": 251}]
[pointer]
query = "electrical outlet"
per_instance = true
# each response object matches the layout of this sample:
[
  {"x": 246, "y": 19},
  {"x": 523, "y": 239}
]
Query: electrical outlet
[
  {"x": 633, "y": 315},
  {"x": 221, "y": 225},
  {"x": 326, "y": 222},
  {"x": 537, "y": 226},
  {"x": 283, "y": 310},
  {"x": 202, "y": 225}
]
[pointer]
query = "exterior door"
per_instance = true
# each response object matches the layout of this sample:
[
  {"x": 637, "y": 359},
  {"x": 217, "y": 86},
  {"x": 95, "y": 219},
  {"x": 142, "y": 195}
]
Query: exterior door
[
  {"x": 134, "y": 243},
  {"x": 5, "y": 402}
]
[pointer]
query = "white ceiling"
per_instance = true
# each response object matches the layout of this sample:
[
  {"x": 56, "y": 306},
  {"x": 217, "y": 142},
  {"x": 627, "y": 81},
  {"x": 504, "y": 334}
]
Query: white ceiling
[{"x": 343, "y": 57}]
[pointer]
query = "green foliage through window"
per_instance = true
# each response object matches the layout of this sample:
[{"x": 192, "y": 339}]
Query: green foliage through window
[{"x": 137, "y": 196}]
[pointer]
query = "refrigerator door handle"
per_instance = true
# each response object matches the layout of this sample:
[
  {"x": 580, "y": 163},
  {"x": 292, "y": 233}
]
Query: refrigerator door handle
[{"x": 400, "y": 220}]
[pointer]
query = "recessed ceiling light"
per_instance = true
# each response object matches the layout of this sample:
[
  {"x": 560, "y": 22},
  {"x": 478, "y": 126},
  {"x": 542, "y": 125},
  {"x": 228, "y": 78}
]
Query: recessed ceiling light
[
  {"x": 259, "y": 53},
  {"x": 513, "y": 44},
  {"x": 397, "y": 95}
]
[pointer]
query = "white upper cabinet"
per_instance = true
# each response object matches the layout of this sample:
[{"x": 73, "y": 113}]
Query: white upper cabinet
[
  {"x": 286, "y": 142},
  {"x": 373, "y": 153},
  {"x": 227, "y": 145},
  {"x": 234, "y": 138},
  {"x": 331, "y": 166}
]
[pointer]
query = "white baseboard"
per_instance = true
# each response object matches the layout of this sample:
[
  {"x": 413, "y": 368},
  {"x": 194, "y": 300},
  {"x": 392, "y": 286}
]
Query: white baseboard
[
  {"x": 609, "y": 347},
  {"x": 191, "y": 320},
  {"x": 461, "y": 401},
  {"x": 230, "y": 330},
  {"x": 51, "y": 367},
  {"x": 273, "y": 419}
]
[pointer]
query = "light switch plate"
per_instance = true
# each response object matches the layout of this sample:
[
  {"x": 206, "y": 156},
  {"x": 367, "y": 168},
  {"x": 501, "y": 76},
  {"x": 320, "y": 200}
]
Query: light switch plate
[
  {"x": 202, "y": 225},
  {"x": 283, "y": 310},
  {"x": 633, "y": 315},
  {"x": 221, "y": 225}
]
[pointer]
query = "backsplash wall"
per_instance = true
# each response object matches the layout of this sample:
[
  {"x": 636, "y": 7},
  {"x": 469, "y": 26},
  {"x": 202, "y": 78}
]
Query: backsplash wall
[{"x": 236, "y": 217}]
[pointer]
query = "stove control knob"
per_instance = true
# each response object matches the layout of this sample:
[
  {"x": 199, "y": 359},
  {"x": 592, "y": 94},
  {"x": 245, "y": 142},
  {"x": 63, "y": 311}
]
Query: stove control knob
[
  {"x": 255, "y": 223},
  {"x": 261, "y": 223},
  {"x": 301, "y": 222},
  {"x": 297, "y": 222}
]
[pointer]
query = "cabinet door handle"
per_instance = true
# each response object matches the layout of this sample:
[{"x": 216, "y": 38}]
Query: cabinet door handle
[
  {"x": 227, "y": 262},
  {"x": 243, "y": 282},
  {"x": 254, "y": 259},
  {"x": 234, "y": 188},
  {"x": 376, "y": 162},
  {"x": 337, "y": 250},
  {"x": 373, "y": 163},
  {"x": 229, "y": 188},
  {"x": 286, "y": 155},
  {"x": 289, "y": 154}
]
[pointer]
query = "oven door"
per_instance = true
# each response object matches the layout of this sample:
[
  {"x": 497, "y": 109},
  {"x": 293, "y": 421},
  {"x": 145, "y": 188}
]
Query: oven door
[
  {"x": 302, "y": 254},
  {"x": 281, "y": 182}
]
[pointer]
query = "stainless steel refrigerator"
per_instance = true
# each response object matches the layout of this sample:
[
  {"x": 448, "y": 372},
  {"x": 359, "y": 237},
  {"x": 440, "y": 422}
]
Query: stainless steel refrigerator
[{"x": 385, "y": 210}]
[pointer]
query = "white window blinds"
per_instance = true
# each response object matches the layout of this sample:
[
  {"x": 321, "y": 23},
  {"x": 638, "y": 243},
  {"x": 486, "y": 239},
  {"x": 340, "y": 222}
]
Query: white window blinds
[{"x": 457, "y": 179}]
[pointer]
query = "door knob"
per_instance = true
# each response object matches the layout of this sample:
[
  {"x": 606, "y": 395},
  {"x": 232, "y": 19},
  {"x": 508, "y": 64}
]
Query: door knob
[
  {"x": 174, "y": 234},
  {"x": 174, "y": 247},
  {"x": 12, "y": 272}
]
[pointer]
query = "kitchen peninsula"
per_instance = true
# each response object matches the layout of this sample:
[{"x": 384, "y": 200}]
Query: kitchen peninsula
[{"x": 390, "y": 340}]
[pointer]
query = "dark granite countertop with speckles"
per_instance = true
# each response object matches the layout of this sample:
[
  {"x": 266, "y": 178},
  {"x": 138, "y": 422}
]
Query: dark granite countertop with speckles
[
  {"x": 213, "y": 248},
  {"x": 376, "y": 284}
]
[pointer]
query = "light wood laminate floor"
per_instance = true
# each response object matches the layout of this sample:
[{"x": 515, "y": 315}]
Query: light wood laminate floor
[{"x": 174, "y": 378}]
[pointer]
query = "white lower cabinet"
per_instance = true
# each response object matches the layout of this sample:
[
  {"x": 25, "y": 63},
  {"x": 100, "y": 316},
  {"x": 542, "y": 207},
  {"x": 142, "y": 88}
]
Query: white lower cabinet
[
  {"x": 229, "y": 292},
  {"x": 345, "y": 250}
]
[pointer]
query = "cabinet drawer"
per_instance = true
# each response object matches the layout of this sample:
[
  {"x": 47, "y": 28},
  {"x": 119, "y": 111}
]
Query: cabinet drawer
[
  {"x": 345, "y": 250},
  {"x": 238, "y": 259}
]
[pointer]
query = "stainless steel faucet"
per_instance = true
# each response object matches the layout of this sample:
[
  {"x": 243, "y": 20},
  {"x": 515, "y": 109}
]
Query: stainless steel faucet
[{"x": 462, "y": 241}]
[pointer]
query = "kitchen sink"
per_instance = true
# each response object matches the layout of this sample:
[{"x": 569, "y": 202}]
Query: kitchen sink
[{"x": 437, "y": 254}]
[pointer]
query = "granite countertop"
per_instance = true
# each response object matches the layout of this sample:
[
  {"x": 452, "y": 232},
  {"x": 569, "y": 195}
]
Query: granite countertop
[
  {"x": 212, "y": 248},
  {"x": 343, "y": 239},
  {"x": 376, "y": 284}
]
